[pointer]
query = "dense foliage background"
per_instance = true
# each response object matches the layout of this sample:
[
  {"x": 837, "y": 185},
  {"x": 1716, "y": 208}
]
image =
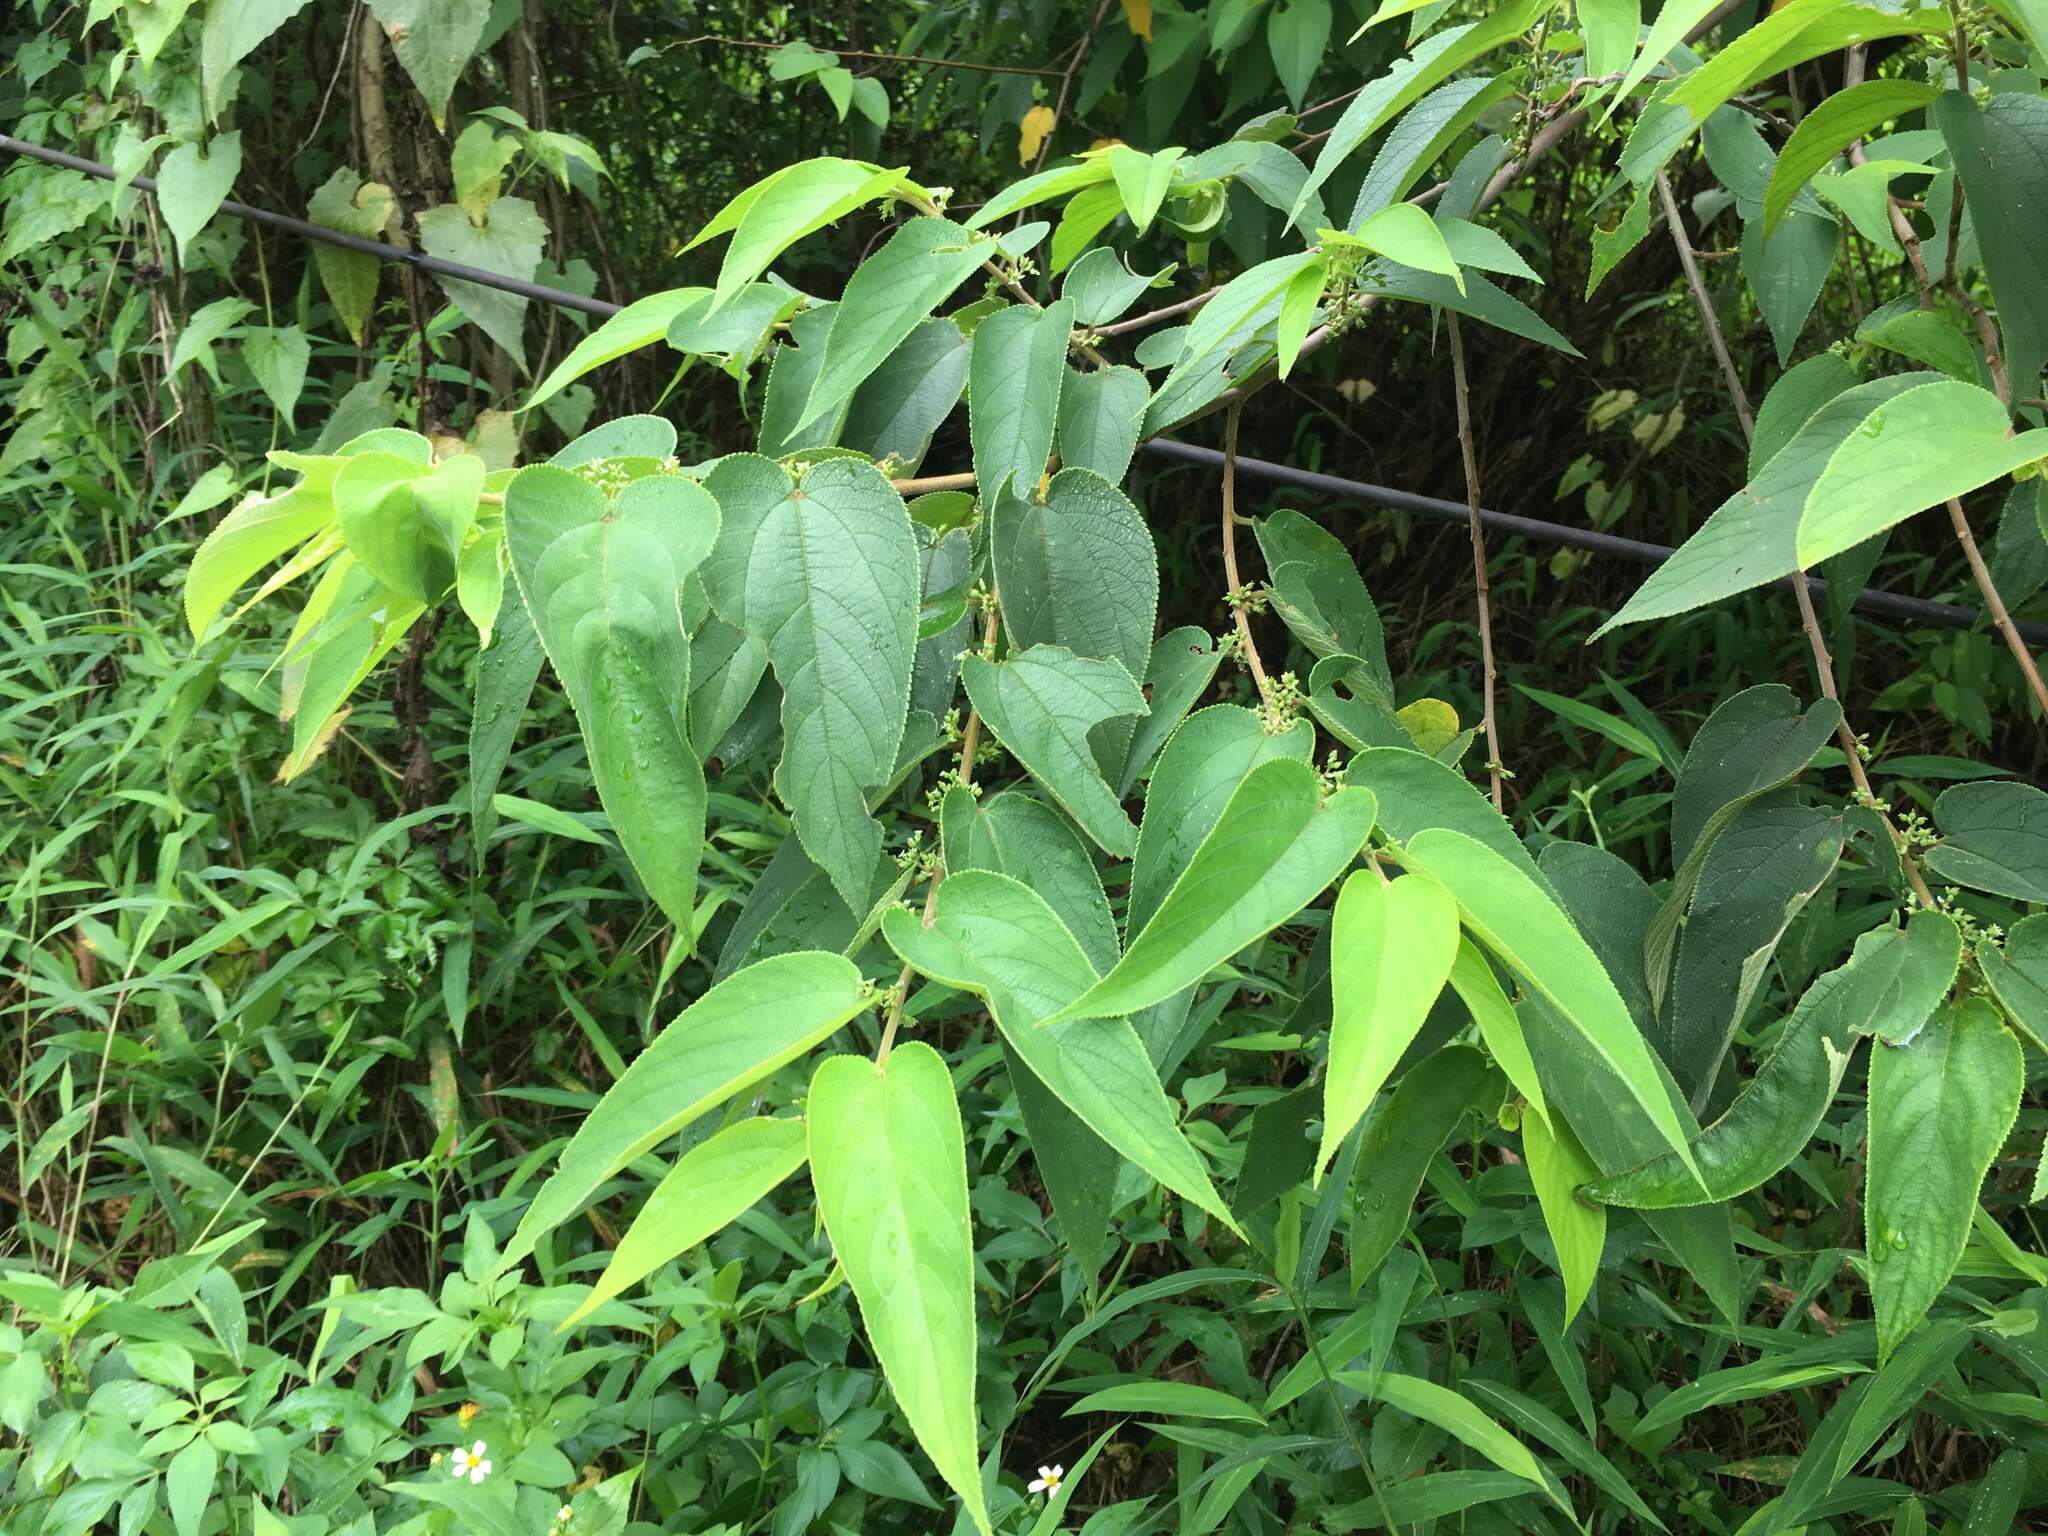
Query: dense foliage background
[{"x": 296, "y": 1027}]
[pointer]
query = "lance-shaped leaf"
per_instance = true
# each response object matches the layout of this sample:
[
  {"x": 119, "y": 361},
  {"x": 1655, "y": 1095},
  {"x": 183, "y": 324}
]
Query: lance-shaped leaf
[
  {"x": 1013, "y": 395},
  {"x": 995, "y": 937},
  {"x": 889, "y": 1162},
  {"x": 831, "y": 586},
  {"x": 1914, "y": 451},
  {"x": 1994, "y": 837},
  {"x": 639, "y": 324},
  {"x": 1753, "y": 537},
  {"x": 1757, "y": 877},
  {"x": 1041, "y": 705},
  {"x": 1183, "y": 663},
  {"x": 710, "y": 1185},
  {"x": 1512, "y": 916},
  {"x": 1199, "y": 770},
  {"x": 506, "y": 670},
  {"x": 603, "y": 580},
  {"x": 2001, "y": 151},
  {"x": 1830, "y": 128},
  {"x": 783, "y": 207},
  {"x": 1276, "y": 847},
  {"x": 888, "y": 294},
  {"x": 1400, "y": 1137},
  {"x": 1391, "y": 949},
  {"x": 745, "y": 1027},
  {"x": 1940, "y": 1110},
  {"x": 1319, "y": 595},
  {"x": 260, "y": 530},
  {"x": 1500, "y": 1027},
  {"x": 1558, "y": 1165}
]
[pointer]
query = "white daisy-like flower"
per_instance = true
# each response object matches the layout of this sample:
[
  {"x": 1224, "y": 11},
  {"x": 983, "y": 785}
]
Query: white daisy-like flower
[
  {"x": 1048, "y": 1481},
  {"x": 471, "y": 1463}
]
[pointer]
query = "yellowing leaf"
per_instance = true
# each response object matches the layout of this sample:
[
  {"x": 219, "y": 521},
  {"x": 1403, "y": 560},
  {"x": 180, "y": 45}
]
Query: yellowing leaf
[
  {"x": 1138, "y": 16},
  {"x": 1031, "y": 132}
]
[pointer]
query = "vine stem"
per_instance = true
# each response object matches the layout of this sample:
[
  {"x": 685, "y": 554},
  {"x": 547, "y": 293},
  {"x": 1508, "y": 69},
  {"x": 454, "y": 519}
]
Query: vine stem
[
  {"x": 970, "y": 741},
  {"x": 1485, "y": 591},
  {"x": 1236, "y": 590},
  {"x": 1802, "y": 593},
  {"x": 1995, "y": 604}
]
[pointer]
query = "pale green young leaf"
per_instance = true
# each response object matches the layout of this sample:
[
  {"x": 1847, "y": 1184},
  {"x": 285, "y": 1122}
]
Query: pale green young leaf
[
  {"x": 260, "y": 530},
  {"x": 1940, "y": 1110},
  {"x": 192, "y": 183},
  {"x": 738, "y": 1032},
  {"x": 1558, "y": 1166},
  {"x": 777, "y": 212},
  {"x": 1514, "y": 918},
  {"x": 710, "y": 1185},
  {"x": 1235, "y": 303},
  {"x": 1610, "y": 28},
  {"x": 889, "y": 1163},
  {"x": 1041, "y": 705},
  {"x": 639, "y": 324},
  {"x": 1168, "y": 1399},
  {"x": 1457, "y": 1417},
  {"x": 1410, "y": 236},
  {"x": 1500, "y": 1028},
  {"x": 1668, "y": 31},
  {"x": 1791, "y": 34},
  {"x": 1141, "y": 180},
  {"x": 1298, "y": 303},
  {"x": 603, "y": 580},
  {"x": 1273, "y": 850},
  {"x": 1045, "y": 185},
  {"x": 1391, "y": 949}
]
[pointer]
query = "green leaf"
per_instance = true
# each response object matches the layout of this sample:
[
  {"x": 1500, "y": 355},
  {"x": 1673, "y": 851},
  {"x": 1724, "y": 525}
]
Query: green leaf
[
  {"x": 1674, "y": 20},
  {"x": 1044, "y": 186},
  {"x": 1914, "y": 451},
  {"x": 1435, "y": 59},
  {"x": 603, "y": 581},
  {"x": 902, "y": 403},
  {"x": 1100, "y": 413},
  {"x": 2001, "y": 152},
  {"x": 1610, "y": 28},
  {"x": 1940, "y": 1110},
  {"x": 1297, "y": 33},
  {"x": 1236, "y": 303},
  {"x": 831, "y": 585},
  {"x": 191, "y": 184},
  {"x": 1077, "y": 569},
  {"x": 1013, "y": 395},
  {"x": 1401, "y": 1135},
  {"x": 434, "y": 40},
  {"x": 257, "y": 532},
  {"x": 741, "y": 1030},
  {"x": 782, "y": 208},
  {"x": 1781, "y": 1371},
  {"x": 1101, "y": 287},
  {"x": 1994, "y": 837},
  {"x": 1456, "y": 1417},
  {"x": 277, "y": 356},
  {"x": 1141, "y": 180},
  {"x": 995, "y": 937},
  {"x": 1539, "y": 1421},
  {"x": 1319, "y": 595},
  {"x": 710, "y": 1185},
  {"x": 1753, "y": 880},
  {"x": 1272, "y": 851},
  {"x": 1923, "y": 336},
  {"x": 233, "y": 30},
  {"x": 888, "y": 295},
  {"x": 1184, "y": 662},
  {"x": 1042, "y": 704},
  {"x": 1416, "y": 792},
  {"x": 508, "y": 240},
  {"x": 345, "y": 202},
  {"x": 1830, "y": 128},
  {"x": 1558, "y": 1166},
  {"x": 1611, "y": 245},
  {"x": 639, "y": 324},
  {"x": 1391, "y": 949},
  {"x": 506, "y": 669},
  {"x": 1408, "y": 235},
  {"x": 889, "y": 1162},
  {"x": 2018, "y": 977},
  {"x": 1026, "y": 839},
  {"x": 1752, "y": 537},
  {"x": 1475, "y": 297},
  {"x": 1791, "y": 34},
  {"x": 189, "y": 1485},
  {"x": 1514, "y": 918},
  {"x": 1298, "y": 305},
  {"x": 1416, "y": 143},
  {"x": 1198, "y": 772},
  {"x": 1170, "y": 1400},
  {"x": 1480, "y": 991}
]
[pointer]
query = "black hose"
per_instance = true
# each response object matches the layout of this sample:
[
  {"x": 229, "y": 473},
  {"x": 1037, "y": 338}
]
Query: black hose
[{"x": 1869, "y": 600}]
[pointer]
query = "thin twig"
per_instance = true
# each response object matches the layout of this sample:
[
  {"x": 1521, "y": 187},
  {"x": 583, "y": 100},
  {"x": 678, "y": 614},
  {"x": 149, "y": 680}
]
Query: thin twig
[
  {"x": 1679, "y": 239},
  {"x": 1059, "y": 109},
  {"x": 1471, "y": 455},
  {"x": 886, "y": 58},
  {"x": 1996, "y": 604},
  {"x": 1236, "y": 595}
]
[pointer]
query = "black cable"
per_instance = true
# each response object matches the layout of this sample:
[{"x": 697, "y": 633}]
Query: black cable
[{"x": 1869, "y": 600}]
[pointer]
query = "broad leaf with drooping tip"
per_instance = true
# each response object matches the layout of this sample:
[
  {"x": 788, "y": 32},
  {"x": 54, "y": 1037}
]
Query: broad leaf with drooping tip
[
  {"x": 603, "y": 579},
  {"x": 742, "y": 1029},
  {"x": 889, "y": 1163}
]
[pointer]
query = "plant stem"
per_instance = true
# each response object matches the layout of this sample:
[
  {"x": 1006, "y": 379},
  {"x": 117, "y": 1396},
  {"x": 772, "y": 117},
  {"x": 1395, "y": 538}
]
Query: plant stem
[
  {"x": 1996, "y": 604},
  {"x": 1679, "y": 239},
  {"x": 1236, "y": 590},
  {"x": 1315, "y": 1350},
  {"x": 1465, "y": 445}
]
